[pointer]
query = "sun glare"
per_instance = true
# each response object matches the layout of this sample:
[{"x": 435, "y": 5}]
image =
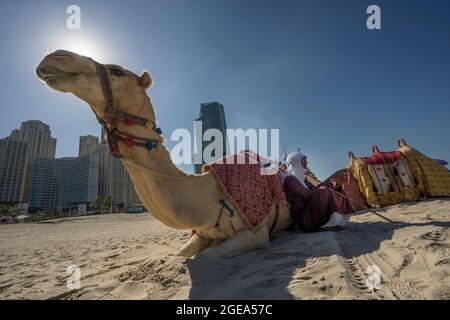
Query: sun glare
[
  {"x": 84, "y": 46},
  {"x": 80, "y": 43}
]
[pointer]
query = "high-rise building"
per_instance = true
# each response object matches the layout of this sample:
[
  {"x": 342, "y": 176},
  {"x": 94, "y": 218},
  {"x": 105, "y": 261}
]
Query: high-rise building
[
  {"x": 63, "y": 182},
  {"x": 13, "y": 158},
  {"x": 115, "y": 180},
  {"x": 38, "y": 136},
  {"x": 88, "y": 144},
  {"x": 30, "y": 172},
  {"x": 40, "y": 144},
  {"x": 212, "y": 116},
  {"x": 102, "y": 136}
]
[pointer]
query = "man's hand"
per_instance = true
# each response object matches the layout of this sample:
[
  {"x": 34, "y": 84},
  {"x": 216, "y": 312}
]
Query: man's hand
[{"x": 334, "y": 183}]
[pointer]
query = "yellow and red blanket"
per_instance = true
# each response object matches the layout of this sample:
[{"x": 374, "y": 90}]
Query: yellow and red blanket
[{"x": 388, "y": 178}]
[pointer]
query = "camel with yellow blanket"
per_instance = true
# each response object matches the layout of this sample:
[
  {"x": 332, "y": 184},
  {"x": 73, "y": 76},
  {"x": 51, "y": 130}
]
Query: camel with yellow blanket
[{"x": 388, "y": 178}]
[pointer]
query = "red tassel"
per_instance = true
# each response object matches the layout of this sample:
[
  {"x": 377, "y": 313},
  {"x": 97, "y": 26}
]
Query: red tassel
[
  {"x": 129, "y": 142},
  {"x": 129, "y": 121},
  {"x": 114, "y": 151}
]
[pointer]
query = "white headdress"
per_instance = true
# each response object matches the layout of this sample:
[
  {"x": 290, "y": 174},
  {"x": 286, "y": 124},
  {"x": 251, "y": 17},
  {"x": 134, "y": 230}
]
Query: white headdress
[{"x": 295, "y": 168}]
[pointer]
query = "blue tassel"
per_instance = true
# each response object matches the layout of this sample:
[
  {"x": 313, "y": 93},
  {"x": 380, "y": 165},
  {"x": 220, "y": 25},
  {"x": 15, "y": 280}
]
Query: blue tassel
[
  {"x": 158, "y": 131},
  {"x": 149, "y": 145},
  {"x": 226, "y": 206}
]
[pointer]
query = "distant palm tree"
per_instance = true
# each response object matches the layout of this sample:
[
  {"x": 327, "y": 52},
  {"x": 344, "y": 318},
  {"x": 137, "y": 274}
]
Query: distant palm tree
[
  {"x": 4, "y": 209},
  {"x": 38, "y": 216},
  {"x": 97, "y": 203},
  {"x": 107, "y": 203},
  {"x": 15, "y": 212}
]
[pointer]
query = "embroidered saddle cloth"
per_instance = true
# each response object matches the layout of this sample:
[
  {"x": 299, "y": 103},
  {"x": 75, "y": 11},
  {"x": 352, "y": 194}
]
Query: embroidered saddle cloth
[{"x": 249, "y": 186}]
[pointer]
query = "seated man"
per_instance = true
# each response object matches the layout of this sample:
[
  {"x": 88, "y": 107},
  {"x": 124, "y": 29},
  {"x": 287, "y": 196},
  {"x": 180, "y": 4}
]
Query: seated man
[
  {"x": 312, "y": 208},
  {"x": 299, "y": 167}
]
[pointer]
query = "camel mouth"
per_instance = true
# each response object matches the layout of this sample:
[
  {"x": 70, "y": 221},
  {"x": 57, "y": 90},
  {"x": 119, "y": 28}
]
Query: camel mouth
[{"x": 51, "y": 75}]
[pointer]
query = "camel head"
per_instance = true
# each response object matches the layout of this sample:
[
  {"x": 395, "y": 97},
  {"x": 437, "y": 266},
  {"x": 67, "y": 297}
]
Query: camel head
[{"x": 66, "y": 71}]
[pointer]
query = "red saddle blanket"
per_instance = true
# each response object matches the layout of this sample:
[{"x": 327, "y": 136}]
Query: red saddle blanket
[
  {"x": 350, "y": 187},
  {"x": 251, "y": 191},
  {"x": 383, "y": 157}
]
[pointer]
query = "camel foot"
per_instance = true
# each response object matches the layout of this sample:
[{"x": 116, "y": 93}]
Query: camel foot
[{"x": 194, "y": 245}]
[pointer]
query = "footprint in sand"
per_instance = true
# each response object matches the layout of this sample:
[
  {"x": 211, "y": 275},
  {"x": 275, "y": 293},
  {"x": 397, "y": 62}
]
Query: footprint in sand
[
  {"x": 407, "y": 260},
  {"x": 355, "y": 275},
  {"x": 436, "y": 235},
  {"x": 442, "y": 262}
]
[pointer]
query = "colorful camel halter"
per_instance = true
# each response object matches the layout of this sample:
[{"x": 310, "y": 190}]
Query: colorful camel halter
[{"x": 112, "y": 115}]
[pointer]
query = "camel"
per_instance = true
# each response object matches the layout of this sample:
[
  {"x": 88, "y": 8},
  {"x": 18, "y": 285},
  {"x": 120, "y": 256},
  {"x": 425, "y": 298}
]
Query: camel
[{"x": 177, "y": 199}]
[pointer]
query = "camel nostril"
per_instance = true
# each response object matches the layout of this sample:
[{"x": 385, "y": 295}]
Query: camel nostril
[
  {"x": 44, "y": 72},
  {"x": 39, "y": 71}
]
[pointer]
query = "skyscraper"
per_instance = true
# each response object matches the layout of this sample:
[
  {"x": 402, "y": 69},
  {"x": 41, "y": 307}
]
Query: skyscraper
[
  {"x": 212, "y": 116},
  {"x": 114, "y": 179},
  {"x": 40, "y": 144},
  {"x": 102, "y": 136},
  {"x": 13, "y": 157},
  {"x": 88, "y": 144},
  {"x": 38, "y": 136}
]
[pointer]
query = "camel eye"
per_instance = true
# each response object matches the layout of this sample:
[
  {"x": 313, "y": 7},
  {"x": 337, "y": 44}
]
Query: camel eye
[{"x": 117, "y": 72}]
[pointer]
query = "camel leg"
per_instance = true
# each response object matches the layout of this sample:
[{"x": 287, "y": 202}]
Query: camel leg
[
  {"x": 241, "y": 242},
  {"x": 194, "y": 245}
]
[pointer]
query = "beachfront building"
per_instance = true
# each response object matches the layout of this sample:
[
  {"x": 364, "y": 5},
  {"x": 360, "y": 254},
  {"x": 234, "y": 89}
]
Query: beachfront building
[
  {"x": 212, "y": 116},
  {"x": 40, "y": 144},
  {"x": 39, "y": 138},
  {"x": 114, "y": 180},
  {"x": 63, "y": 182},
  {"x": 102, "y": 135},
  {"x": 13, "y": 157},
  {"x": 88, "y": 144}
]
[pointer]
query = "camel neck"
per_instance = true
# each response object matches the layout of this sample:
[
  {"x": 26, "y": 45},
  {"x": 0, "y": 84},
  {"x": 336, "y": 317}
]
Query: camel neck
[
  {"x": 157, "y": 180},
  {"x": 157, "y": 160}
]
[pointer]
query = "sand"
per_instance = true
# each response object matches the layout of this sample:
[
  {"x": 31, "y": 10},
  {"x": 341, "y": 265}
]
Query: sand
[{"x": 132, "y": 256}]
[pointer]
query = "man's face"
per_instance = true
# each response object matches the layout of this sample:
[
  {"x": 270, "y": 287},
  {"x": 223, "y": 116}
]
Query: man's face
[{"x": 304, "y": 162}]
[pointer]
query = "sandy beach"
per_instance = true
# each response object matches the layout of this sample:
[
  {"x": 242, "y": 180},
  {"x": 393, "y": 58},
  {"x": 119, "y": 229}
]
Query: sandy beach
[{"x": 132, "y": 256}]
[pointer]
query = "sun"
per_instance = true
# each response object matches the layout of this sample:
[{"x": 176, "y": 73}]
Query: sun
[{"x": 83, "y": 43}]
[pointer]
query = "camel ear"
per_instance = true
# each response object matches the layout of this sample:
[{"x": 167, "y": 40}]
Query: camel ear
[{"x": 145, "y": 81}]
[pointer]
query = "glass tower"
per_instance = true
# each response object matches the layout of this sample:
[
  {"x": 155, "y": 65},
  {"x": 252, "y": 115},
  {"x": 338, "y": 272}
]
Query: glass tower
[{"x": 212, "y": 116}]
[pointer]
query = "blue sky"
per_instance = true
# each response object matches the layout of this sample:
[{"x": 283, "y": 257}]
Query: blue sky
[{"x": 310, "y": 68}]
